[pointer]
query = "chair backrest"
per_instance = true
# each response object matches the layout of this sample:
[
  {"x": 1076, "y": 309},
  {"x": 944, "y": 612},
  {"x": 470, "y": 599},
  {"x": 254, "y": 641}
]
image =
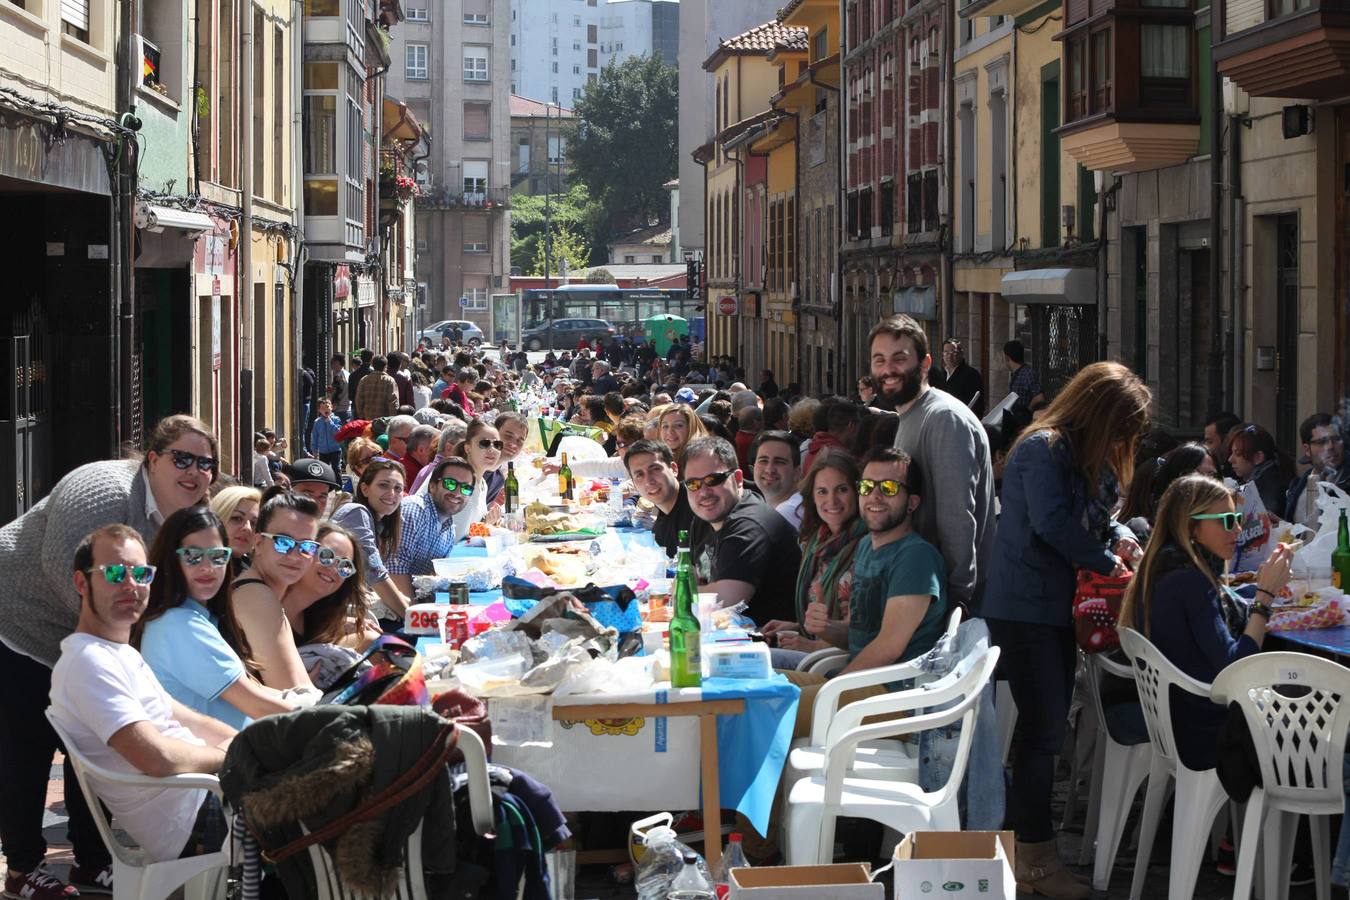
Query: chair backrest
[
  {"x": 1154, "y": 677},
  {"x": 1297, "y": 708},
  {"x": 83, "y": 769},
  {"x": 1095, "y": 666},
  {"x": 411, "y": 883}
]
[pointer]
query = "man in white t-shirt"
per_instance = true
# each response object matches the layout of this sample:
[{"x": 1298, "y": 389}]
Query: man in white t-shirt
[{"x": 119, "y": 717}]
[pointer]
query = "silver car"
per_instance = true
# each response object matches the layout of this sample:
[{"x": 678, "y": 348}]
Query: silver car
[{"x": 470, "y": 333}]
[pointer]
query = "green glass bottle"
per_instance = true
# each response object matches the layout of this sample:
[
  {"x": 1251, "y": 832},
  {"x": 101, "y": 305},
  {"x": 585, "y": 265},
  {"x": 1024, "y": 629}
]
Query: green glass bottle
[
  {"x": 686, "y": 651},
  {"x": 1340, "y": 557},
  {"x": 511, "y": 495}
]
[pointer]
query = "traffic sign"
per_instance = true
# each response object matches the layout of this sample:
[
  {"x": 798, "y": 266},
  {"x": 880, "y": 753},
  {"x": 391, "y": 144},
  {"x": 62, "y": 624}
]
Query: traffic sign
[
  {"x": 463, "y": 302},
  {"x": 726, "y": 305}
]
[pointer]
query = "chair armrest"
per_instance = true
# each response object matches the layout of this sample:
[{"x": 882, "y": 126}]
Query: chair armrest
[
  {"x": 815, "y": 657},
  {"x": 184, "y": 781},
  {"x": 1109, "y": 666},
  {"x": 827, "y": 698},
  {"x": 934, "y": 693},
  {"x": 840, "y": 752}
]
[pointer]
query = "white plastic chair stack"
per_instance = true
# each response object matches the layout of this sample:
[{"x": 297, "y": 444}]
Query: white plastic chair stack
[
  {"x": 816, "y": 802},
  {"x": 885, "y": 759},
  {"x": 201, "y": 876},
  {"x": 1199, "y": 795},
  {"x": 1116, "y": 776},
  {"x": 1296, "y": 708}
]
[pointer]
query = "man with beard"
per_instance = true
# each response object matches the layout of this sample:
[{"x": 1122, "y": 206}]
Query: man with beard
[
  {"x": 958, "y": 513},
  {"x": 428, "y": 521},
  {"x": 899, "y": 600},
  {"x": 742, "y": 549},
  {"x": 776, "y": 459},
  {"x": 1324, "y": 449},
  {"x": 652, "y": 467}
]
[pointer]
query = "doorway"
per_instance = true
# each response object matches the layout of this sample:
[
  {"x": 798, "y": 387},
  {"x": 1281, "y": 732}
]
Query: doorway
[{"x": 1286, "y": 329}]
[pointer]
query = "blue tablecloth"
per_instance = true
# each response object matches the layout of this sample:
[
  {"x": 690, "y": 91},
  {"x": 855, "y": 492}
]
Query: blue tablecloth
[
  {"x": 1335, "y": 641},
  {"x": 752, "y": 747}
]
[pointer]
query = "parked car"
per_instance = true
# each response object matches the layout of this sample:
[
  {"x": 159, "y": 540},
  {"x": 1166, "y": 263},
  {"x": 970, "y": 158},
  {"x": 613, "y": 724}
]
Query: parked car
[
  {"x": 565, "y": 334},
  {"x": 472, "y": 334}
]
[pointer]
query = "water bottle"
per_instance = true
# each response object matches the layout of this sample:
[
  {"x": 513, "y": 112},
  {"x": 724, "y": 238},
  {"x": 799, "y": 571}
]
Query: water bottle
[
  {"x": 615, "y": 498},
  {"x": 732, "y": 858},
  {"x": 691, "y": 884}
]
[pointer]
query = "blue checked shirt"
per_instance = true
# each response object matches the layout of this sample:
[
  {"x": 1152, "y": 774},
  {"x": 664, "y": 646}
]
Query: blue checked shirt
[
  {"x": 426, "y": 536},
  {"x": 1026, "y": 385}
]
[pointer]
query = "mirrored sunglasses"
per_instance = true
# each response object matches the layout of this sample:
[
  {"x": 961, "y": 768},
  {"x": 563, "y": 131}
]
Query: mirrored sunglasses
[
  {"x": 193, "y": 556},
  {"x": 889, "y": 487},
  {"x": 464, "y": 487},
  {"x": 117, "y": 573},
  {"x": 185, "y": 460},
  {"x": 712, "y": 480},
  {"x": 284, "y": 544},
  {"x": 328, "y": 558}
]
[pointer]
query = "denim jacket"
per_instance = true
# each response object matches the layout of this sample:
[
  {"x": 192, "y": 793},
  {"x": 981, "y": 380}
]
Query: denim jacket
[{"x": 1050, "y": 527}]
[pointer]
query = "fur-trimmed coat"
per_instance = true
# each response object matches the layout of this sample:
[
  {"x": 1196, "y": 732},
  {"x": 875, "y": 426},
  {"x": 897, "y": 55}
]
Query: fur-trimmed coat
[{"x": 316, "y": 765}]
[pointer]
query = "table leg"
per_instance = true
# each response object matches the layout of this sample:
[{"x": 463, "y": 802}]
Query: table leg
[{"x": 712, "y": 799}]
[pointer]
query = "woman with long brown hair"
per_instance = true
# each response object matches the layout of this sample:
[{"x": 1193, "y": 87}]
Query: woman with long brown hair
[
  {"x": 679, "y": 426},
  {"x": 189, "y": 634},
  {"x": 374, "y": 516},
  {"x": 1061, "y": 484}
]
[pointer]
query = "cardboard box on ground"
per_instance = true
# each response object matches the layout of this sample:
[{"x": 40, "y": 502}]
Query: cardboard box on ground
[{"x": 845, "y": 881}]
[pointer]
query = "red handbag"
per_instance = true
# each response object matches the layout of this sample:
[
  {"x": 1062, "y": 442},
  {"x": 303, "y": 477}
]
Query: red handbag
[{"x": 1096, "y": 607}]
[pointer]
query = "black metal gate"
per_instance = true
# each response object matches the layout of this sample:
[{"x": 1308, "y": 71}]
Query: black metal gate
[
  {"x": 1062, "y": 340},
  {"x": 24, "y": 427}
]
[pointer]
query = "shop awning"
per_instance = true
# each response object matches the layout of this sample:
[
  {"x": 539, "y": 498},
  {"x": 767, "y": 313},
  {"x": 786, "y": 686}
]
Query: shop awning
[
  {"x": 399, "y": 121},
  {"x": 1070, "y": 287},
  {"x": 157, "y": 218}
]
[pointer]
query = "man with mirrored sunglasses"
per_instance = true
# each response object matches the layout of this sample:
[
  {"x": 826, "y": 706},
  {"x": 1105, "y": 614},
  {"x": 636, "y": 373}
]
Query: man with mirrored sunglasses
[
  {"x": 743, "y": 550},
  {"x": 428, "y": 521}
]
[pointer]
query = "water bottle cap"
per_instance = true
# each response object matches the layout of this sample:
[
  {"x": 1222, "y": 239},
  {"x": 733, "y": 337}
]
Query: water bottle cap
[{"x": 734, "y": 837}]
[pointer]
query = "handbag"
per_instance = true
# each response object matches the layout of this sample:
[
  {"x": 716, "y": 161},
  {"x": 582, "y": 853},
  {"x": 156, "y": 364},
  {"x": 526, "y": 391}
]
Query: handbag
[{"x": 1096, "y": 607}]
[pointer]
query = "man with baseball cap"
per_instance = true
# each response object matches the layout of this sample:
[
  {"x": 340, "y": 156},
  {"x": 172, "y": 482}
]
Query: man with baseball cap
[{"x": 314, "y": 478}]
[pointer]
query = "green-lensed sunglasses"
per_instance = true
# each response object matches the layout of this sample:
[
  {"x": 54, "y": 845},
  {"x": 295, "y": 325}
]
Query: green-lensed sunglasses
[
  {"x": 117, "y": 573},
  {"x": 452, "y": 485}
]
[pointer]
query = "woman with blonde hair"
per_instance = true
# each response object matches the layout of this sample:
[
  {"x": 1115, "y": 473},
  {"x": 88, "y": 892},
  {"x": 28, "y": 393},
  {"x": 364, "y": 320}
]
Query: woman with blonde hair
[
  {"x": 1062, "y": 481},
  {"x": 1177, "y": 601},
  {"x": 679, "y": 426},
  {"x": 237, "y": 506}
]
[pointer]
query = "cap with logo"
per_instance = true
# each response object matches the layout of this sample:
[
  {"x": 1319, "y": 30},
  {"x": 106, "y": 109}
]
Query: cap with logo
[{"x": 312, "y": 470}]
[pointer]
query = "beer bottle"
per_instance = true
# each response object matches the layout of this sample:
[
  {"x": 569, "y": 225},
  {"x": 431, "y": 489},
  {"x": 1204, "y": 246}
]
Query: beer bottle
[
  {"x": 686, "y": 652},
  {"x": 565, "y": 483},
  {"x": 1340, "y": 557},
  {"x": 512, "y": 491}
]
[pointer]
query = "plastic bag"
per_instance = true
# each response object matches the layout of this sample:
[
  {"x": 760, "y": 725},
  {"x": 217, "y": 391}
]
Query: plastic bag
[
  {"x": 1261, "y": 530},
  {"x": 662, "y": 861}
]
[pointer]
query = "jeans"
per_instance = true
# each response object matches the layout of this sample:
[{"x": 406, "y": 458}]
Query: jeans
[
  {"x": 782, "y": 658},
  {"x": 1039, "y": 662},
  {"x": 27, "y": 744},
  {"x": 981, "y": 796},
  {"x": 208, "y": 832}
]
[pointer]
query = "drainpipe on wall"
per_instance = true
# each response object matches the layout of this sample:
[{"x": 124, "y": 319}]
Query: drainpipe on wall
[
  {"x": 298, "y": 217},
  {"x": 1237, "y": 236},
  {"x": 839, "y": 192},
  {"x": 123, "y": 237},
  {"x": 244, "y": 261},
  {"x": 949, "y": 142},
  {"x": 1215, "y": 397},
  {"x": 840, "y": 208}
]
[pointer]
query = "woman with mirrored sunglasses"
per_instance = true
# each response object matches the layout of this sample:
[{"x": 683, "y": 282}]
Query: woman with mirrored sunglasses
[
  {"x": 374, "y": 516},
  {"x": 329, "y": 609},
  {"x": 189, "y": 634},
  {"x": 1178, "y": 602},
  {"x": 482, "y": 447},
  {"x": 283, "y": 552}
]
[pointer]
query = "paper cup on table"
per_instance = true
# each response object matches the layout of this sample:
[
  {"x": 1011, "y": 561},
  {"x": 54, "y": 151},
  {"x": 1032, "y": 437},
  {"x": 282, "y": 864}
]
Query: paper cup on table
[{"x": 707, "y": 605}]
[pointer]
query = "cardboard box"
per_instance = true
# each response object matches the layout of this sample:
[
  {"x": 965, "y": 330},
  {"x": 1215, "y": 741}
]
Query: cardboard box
[
  {"x": 955, "y": 865},
  {"x": 846, "y": 881}
]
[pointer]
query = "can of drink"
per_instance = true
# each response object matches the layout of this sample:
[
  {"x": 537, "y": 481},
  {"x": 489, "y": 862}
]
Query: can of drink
[
  {"x": 459, "y": 593},
  {"x": 456, "y": 628}
]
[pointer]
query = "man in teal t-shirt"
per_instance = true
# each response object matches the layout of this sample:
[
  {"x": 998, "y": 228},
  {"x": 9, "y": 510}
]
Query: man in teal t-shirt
[{"x": 899, "y": 600}]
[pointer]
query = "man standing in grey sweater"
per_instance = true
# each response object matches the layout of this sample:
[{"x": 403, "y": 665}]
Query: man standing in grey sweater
[{"x": 957, "y": 514}]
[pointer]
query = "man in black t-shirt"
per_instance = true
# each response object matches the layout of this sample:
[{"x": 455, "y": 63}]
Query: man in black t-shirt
[
  {"x": 652, "y": 468},
  {"x": 742, "y": 548}
]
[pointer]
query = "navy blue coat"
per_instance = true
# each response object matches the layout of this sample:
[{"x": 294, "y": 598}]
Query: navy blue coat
[{"x": 1041, "y": 540}]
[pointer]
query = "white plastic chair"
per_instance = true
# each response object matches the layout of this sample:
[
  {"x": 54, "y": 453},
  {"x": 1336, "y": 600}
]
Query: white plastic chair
[
  {"x": 1300, "y": 738},
  {"x": 1199, "y": 795},
  {"x": 887, "y": 759},
  {"x": 1118, "y": 771},
  {"x": 133, "y": 877},
  {"x": 328, "y": 886},
  {"x": 815, "y": 803},
  {"x": 824, "y": 662}
]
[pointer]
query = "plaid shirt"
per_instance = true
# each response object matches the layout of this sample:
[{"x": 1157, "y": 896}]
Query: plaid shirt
[
  {"x": 376, "y": 396},
  {"x": 1025, "y": 384},
  {"x": 426, "y": 536}
]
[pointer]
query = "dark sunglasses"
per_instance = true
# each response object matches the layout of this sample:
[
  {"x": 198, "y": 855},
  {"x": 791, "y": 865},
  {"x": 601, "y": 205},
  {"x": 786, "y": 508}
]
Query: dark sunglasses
[
  {"x": 1231, "y": 521},
  {"x": 184, "y": 460},
  {"x": 484, "y": 443},
  {"x": 713, "y": 480},
  {"x": 117, "y": 573},
  {"x": 889, "y": 487},
  {"x": 285, "y": 544},
  {"x": 328, "y": 558},
  {"x": 464, "y": 487},
  {"x": 193, "y": 556}
]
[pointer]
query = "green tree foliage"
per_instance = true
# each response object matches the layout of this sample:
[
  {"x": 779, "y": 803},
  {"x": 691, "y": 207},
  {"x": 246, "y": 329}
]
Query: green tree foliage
[
  {"x": 573, "y": 211},
  {"x": 567, "y": 245},
  {"x": 623, "y": 142}
]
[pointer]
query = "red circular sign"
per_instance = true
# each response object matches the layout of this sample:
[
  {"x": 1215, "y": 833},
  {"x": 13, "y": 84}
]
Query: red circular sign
[{"x": 727, "y": 305}]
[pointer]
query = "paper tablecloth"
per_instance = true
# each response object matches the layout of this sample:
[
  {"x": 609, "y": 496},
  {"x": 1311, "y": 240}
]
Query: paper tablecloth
[{"x": 640, "y": 764}]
